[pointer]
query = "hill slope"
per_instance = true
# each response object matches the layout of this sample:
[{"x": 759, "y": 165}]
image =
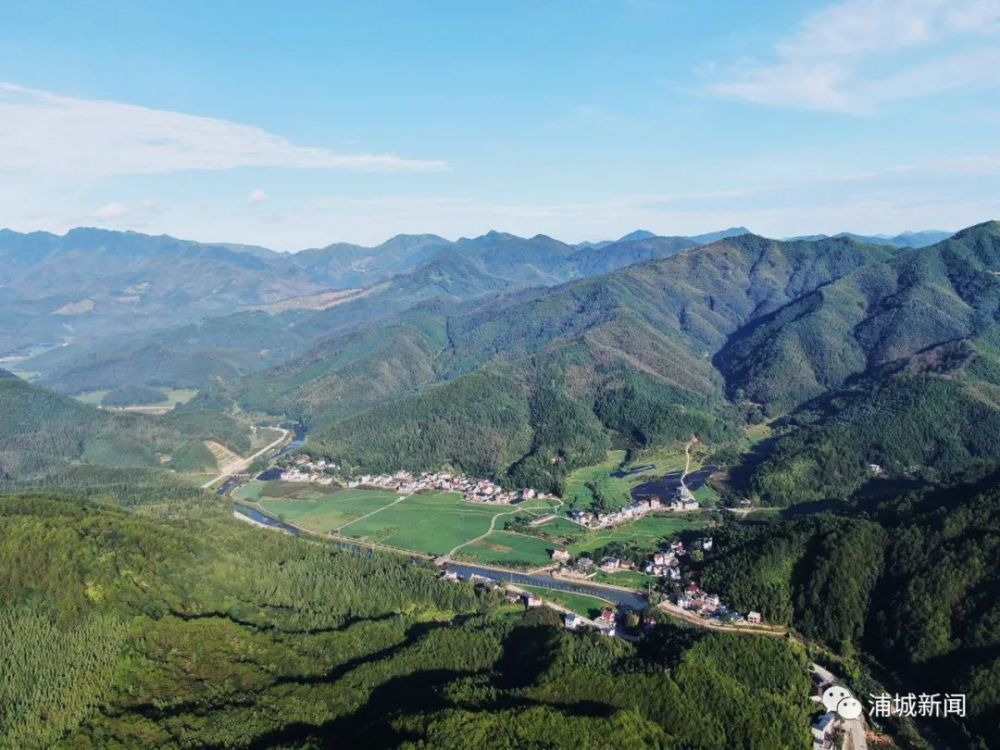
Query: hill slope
[
  {"x": 630, "y": 349},
  {"x": 912, "y": 580},
  {"x": 204, "y": 632},
  {"x": 43, "y": 433}
]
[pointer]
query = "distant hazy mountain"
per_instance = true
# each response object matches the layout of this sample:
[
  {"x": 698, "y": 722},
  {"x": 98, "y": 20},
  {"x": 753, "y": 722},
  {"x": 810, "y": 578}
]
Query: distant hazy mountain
[
  {"x": 705, "y": 239},
  {"x": 214, "y": 334},
  {"x": 906, "y": 239},
  {"x": 91, "y": 283},
  {"x": 638, "y": 234},
  {"x": 642, "y": 234}
]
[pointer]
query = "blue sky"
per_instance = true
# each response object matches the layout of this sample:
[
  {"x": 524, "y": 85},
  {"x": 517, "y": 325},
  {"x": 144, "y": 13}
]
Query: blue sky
[{"x": 298, "y": 124}]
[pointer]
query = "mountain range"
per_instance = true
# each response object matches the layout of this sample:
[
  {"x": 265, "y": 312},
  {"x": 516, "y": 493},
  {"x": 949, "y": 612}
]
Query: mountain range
[
  {"x": 838, "y": 339},
  {"x": 869, "y": 372}
]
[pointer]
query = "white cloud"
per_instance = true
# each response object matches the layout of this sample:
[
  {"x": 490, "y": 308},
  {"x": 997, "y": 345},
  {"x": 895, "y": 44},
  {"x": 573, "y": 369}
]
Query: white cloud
[
  {"x": 256, "y": 197},
  {"x": 854, "y": 56},
  {"x": 111, "y": 212},
  {"x": 46, "y": 132}
]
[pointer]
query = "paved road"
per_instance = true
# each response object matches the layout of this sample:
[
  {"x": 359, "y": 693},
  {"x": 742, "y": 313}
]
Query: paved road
[{"x": 241, "y": 466}]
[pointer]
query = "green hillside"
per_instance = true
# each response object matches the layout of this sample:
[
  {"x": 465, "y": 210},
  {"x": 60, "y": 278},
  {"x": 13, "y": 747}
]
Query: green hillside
[
  {"x": 43, "y": 433},
  {"x": 879, "y": 316},
  {"x": 883, "y": 357},
  {"x": 624, "y": 358},
  {"x": 119, "y": 630},
  {"x": 911, "y": 580}
]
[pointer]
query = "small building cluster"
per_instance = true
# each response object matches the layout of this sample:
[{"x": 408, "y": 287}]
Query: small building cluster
[
  {"x": 630, "y": 512},
  {"x": 666, "y": 563},
  {"x": 829, "y": 728},
  {"x": 605, "y": 624},
  {"x": 694, "y": 599},
  {"x": 473, "y": 490},
  {"x": 585, "y": 567},
  {"x": 682, "y": 501},
  {"x": 527, "y": 598},
  {"x": 305, "y": 469}
]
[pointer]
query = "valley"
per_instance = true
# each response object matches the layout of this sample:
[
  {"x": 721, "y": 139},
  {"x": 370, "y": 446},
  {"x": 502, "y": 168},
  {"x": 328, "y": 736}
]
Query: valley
[{"x": 711, "y": 434}]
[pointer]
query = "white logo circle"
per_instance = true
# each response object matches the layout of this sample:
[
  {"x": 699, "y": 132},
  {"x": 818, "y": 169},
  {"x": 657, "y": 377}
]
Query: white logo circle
[
  {"x": 849, "y": 708},
  {"x": 833, "y": 695}
]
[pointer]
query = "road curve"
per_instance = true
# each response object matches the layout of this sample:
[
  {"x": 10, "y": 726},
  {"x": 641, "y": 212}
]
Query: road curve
[{"x": 242, "y": 465}]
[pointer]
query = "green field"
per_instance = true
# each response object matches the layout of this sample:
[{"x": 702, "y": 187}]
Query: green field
[
  {"x": 435, "y": 522},
  {"x": 505, "y": 548},
  {"x": 175, "y": 396},
  {"x": 309, "y": 506},
  {"x": 630, "y": 579},
  {"x": 587, "y": 606},
  {"x": 263, "y": 436},
  {"x": 580, "y": 484},
  {"x": 664, "y": 461},
  {"x": 250, "y": 491},
  {"x": 648, "y": 530},
  {"x": 706, "y": 496},
  {"x": 583, "y": 482}
]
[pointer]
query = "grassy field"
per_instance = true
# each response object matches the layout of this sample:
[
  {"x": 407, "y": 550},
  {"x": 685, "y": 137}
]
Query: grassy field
[
  {"x": 263, "y": 436},
  {"x": 757, "y": 432},
  {"x": 580, "y": 483},
  {"x": 587, "y": 606},
  {"x": 647, "y": 531},
  {"x": 174, "y": 396},
  {"x": 250, "y": 491},
  {"x": 663, "y": 460},
  {"x": 630, "y": 579},
  {"x": 505, "y": 548},
  {"x": 311, "y": 507},
  {"x": 435, "y": 522},
  {"x": 706, "y": 495}
]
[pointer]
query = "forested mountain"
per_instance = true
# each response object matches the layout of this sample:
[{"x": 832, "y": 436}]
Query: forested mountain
[
  {"x": 880, "y": 355},
  {"x": 900, "y": 360},
  {"x": 44, "y": 434},
  {"x": 906, "y": 239},
  {"x": 123, "y": 629},
  {"x": 625, "y": 356},
  {"x": 911, "y": 580}
]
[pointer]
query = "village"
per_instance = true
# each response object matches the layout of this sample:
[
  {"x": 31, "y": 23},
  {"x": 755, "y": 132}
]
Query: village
[
  {"x": 319, "y": 471},
  {"x": 683, "y": 501},
  {"x": 472, "y": 490},
  {"x": 665, "y": 565}
]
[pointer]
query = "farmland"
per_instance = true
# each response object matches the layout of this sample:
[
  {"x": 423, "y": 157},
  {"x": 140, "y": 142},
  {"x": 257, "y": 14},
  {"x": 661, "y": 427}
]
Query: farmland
[
  {"x": 505, "y": 548},
  {"x": 645, "y": 532},
  {"x": 433, "y": 522},
  {"x": 436, "y": 522},
  {"x": 309, "y": 507}
]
